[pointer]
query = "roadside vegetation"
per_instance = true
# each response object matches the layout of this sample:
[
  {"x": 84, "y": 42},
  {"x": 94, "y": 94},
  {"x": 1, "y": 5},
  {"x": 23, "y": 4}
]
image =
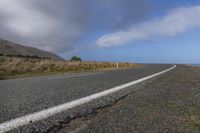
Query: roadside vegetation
[
  {"x": 75, "y": 58},
  {"x": 196, "y": 67},
  {"x": 22, "y": 56},
  {"x": 14, "y": 67}
]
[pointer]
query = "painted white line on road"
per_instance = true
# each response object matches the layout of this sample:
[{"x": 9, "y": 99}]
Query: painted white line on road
[
  {"x": 25, "y": 120},
  {"x": 76, "y": 75}
]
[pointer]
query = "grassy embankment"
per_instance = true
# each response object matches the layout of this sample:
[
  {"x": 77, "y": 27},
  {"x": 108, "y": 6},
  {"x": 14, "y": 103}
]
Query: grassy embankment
[{"x": 14, "y": 67}]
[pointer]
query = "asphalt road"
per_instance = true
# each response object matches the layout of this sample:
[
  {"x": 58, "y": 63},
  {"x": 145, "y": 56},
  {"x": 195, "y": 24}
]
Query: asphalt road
[
  {"x": 169, "y": 104},
  {"x": 19, "y": 97}
]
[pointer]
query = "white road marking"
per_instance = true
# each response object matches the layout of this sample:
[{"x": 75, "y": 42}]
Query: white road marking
[
  {"x": 25, "y": 120},
  {"x": 76, "y": 75}
]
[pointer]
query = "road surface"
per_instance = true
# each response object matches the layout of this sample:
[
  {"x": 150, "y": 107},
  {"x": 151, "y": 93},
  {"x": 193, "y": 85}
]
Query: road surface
[
  {"x": 20, "y": 97},
  {"x": 169, "y": 104}
]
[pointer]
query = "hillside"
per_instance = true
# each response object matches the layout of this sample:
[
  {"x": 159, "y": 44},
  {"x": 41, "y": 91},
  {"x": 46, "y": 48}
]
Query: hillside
[{"x": 10, "y": 48}]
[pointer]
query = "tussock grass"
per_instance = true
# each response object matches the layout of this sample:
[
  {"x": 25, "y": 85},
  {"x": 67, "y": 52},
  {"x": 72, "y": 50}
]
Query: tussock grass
[
  {"x": 12, "y": 67},
  {"x": 196, "y": 67}
]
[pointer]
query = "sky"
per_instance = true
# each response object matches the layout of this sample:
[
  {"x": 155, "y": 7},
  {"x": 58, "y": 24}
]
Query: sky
[{"x": 142, "y": 31}]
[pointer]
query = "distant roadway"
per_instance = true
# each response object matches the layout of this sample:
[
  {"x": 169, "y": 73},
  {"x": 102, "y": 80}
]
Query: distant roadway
[{"x": 21, "y": 97}]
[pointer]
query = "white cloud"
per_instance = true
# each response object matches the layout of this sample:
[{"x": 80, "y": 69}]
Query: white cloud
[
  {"x": 176, "y": 21},
  {"x": 24, "y": 19}
]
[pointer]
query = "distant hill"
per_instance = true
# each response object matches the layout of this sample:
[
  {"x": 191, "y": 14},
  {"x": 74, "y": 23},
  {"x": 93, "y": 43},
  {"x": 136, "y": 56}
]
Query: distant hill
[{"x": 12, "y": 49}]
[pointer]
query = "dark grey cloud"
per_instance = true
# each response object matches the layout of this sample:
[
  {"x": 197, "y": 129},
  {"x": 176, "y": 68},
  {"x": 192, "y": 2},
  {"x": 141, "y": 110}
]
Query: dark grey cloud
[
  {"x": 119, "y": 14},
  {"x": 59, "y": 25}
]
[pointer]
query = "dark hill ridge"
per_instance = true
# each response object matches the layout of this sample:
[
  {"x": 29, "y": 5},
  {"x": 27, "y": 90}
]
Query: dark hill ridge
[{"x": 10, "y": 48}]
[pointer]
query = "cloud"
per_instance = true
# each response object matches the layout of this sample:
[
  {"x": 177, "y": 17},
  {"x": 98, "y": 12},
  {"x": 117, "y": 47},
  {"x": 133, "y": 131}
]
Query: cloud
[
  {"x": 47, "y": 24},
  {"x": 59, "y": 25},
  {"x": 24, "y": 20},
  {"x": 175, "y": 22}
]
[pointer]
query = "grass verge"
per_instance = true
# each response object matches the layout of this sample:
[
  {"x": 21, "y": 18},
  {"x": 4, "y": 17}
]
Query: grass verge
[{"x": 14, "y": 67}]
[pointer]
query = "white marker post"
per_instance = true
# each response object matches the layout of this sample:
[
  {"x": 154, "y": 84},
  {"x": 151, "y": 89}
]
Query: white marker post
[{"x": 117, "y": 65}]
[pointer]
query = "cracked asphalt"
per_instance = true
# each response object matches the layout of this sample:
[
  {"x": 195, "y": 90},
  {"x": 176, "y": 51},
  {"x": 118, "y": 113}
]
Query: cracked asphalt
[{"x": 19, "y": 97}]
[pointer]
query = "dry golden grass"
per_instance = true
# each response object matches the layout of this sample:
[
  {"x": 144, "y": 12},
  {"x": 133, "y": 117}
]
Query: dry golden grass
[
  {"x": 11, "y": 67},
  {"x": 196, "y": 67}
]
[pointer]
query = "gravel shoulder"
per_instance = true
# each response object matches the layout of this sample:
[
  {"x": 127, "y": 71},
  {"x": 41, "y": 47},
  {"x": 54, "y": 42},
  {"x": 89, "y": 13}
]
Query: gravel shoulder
[{"x": 170, "y": 103}]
